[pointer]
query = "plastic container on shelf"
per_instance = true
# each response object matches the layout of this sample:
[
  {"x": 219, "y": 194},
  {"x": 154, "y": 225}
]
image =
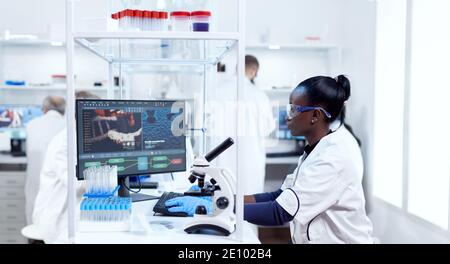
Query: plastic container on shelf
[
  {"x": 155, "y": 20},
  {"x": 116, "y": 17},
  {"x": 138, "y": 19},
  {"x": 142, "y": 20},
  {"x": 58, "y": 78},
  {"x": 200, "y": 20},
  {"x": 125, "y": 19},
  {"x": 180, "y": 21},
  {"x": 134, "y": 21},
  {"x": 120, "y": 17},
  {"x": 147, "y": 20},
  {"x": 158, "y": 21},
  {"x": 164, "y": 17},
  {"x": 15, "y": 82}
]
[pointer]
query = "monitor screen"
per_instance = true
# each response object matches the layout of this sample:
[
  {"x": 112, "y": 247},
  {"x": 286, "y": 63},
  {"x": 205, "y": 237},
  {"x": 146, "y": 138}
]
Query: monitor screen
[
  {"x": 139, "y": 137},
  {"x": 17, "y": 116}
]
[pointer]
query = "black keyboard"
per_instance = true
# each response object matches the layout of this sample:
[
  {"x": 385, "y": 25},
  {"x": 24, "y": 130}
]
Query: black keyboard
[{"x": 160, "y": 207}]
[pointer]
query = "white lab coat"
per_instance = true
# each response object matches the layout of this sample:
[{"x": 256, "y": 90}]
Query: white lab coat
[
  {"x": 50, "y": 213},
  {"x": 256, "y": 122},
  {"x": 325, "y": 195},
  {"x": 39, "y": 133}
]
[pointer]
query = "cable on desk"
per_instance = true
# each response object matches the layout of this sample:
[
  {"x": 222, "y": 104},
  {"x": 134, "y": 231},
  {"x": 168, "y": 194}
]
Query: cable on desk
[{"x": 140, "y": 186}]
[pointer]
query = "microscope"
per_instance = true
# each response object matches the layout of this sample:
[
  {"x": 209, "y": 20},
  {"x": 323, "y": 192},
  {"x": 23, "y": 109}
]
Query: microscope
[{"x": 221, "y": 187}]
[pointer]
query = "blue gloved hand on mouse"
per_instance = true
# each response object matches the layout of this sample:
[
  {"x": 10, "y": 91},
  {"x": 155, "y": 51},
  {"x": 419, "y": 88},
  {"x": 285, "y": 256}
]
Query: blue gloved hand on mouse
[
  {"x": 188, "y": 204},
  {"x": 196, "y": 188}
]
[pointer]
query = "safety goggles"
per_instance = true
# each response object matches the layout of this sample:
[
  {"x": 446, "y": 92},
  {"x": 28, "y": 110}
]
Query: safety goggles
[{"x": 293, "y": 109}]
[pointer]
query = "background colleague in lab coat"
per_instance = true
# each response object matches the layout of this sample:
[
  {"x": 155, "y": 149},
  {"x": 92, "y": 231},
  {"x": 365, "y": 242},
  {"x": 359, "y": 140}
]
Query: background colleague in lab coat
[
  {"x": 39, "y": 133},
  {"x": 256, "y": 122},
  {"x": 254, "y": 144},
  {"x": 50, "y": 211}
]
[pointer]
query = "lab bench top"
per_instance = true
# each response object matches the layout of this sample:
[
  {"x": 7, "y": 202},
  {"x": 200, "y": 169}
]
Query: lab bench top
[
  {"x": 9, "y": 159},
  {"x": 146, "y": 228}
]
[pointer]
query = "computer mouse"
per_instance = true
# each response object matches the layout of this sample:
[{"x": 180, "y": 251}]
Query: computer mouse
[{"x": 206, "y": 229}]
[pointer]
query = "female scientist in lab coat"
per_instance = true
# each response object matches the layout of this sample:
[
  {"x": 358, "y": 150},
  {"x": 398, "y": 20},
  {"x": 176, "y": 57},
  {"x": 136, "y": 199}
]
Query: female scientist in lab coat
[{"x": 323, "y": 198}]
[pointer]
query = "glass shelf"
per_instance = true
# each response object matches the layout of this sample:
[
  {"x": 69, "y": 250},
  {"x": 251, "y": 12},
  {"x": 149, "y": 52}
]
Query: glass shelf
[
  {"x": 158, "y": 48},
  {"x": 47, "y": 88},
  {"x": 162, "y": 69},
  {"x": 290, "y": 47}
]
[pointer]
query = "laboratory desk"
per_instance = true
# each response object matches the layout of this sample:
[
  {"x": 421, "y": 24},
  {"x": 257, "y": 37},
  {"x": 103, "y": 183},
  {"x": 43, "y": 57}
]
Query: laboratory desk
[
  {"x": 146, "y": 228},
  {"x": 276, "y": 170},
  {"x": 9, "y": 159}
]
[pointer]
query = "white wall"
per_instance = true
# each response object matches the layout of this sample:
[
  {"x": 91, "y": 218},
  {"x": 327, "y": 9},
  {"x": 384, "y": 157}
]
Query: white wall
[
  {"x": 44, "y": 18},
  {"x": 292, "y": 20},
  {"x": 286, "y": 68},
  {"x": 36, "y": 65},
  {"x": 357, "y": 38}
]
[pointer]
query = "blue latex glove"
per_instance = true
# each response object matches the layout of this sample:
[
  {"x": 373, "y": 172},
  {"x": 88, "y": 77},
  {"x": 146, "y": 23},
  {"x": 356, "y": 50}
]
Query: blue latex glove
[
  {"x": 188, "y": 204},
  {"x": 196, "y": 188}
]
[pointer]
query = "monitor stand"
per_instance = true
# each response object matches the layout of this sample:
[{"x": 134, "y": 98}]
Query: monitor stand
[{"x": 135, "y": 197}]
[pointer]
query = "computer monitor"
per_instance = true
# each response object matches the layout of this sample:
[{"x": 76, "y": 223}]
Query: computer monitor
[
  {"x": 14, "y": 118},
  {"x": 139, "y": 137}
]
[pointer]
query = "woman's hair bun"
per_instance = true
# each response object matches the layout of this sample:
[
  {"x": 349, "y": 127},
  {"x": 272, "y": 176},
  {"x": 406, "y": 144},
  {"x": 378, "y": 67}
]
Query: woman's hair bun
[{"x": 344, "y": 83}]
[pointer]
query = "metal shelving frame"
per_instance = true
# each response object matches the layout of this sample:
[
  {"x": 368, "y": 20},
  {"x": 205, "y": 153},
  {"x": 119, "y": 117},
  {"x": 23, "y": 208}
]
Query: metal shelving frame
[{"x": 85, "y": 39}]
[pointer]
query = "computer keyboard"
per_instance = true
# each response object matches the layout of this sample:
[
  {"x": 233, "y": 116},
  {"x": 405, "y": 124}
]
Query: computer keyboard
[{"x": 160, "y": 207}]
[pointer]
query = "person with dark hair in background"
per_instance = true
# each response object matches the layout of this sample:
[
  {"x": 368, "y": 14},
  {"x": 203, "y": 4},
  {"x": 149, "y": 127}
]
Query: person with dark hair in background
[
  {"x": 323, "y": 198},
  {"x": 251, "y": 68}
]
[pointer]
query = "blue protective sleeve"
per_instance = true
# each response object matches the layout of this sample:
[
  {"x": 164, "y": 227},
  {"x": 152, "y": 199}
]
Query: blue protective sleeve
[
  {"x": 266, "y": 213},
  {"x": 267, "y": 197}
]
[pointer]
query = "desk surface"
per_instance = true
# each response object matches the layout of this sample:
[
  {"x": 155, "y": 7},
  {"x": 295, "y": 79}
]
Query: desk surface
[
  {"x": 149, "y": 229},
  {"x": 9, "y": 159}
]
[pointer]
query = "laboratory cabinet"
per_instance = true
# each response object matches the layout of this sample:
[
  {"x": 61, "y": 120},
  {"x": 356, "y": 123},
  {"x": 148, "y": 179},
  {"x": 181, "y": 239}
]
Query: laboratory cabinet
[{"x": 12, "y": 207}]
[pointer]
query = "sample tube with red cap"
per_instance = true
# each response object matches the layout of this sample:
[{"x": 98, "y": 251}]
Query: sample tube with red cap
[
  {"x": 180, "y": 20},
  {"x": 143, "y": 20}
]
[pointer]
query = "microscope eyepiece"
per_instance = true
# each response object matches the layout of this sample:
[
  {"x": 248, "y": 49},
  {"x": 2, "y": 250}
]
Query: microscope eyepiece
[{"x": 219, "y": 149}]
